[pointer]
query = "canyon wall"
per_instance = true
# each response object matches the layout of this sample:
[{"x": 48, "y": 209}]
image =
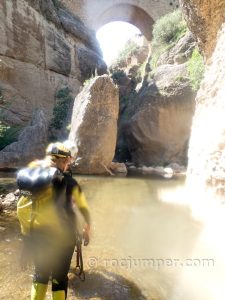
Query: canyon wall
[
  {"x": 44, "y": 49},
  {"x": 39, "y": 54},
  {"x": 204, "y": 19},
  {"x": 207, "y": 144}
]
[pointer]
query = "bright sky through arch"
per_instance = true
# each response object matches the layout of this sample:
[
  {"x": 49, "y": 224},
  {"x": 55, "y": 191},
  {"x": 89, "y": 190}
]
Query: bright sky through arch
[{"x": 112, "y": 38}]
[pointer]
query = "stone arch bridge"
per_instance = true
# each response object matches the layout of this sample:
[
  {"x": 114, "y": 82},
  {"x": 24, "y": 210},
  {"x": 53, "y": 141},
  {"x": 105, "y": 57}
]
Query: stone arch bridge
[{"x": 140, "y": 13}]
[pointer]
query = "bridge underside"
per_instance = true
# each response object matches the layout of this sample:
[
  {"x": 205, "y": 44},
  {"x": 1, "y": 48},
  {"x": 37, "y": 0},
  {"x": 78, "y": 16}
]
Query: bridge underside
[{"x": 127, "y": 13}]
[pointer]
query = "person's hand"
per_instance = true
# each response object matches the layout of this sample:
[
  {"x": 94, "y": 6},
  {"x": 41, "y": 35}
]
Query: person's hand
[{"x": 86, "y": 235}]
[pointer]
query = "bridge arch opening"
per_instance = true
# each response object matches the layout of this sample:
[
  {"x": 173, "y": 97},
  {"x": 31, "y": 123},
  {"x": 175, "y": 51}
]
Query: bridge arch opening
[
  {"x": 130, "y": 14},
  {"x": 113, "y": 37}
]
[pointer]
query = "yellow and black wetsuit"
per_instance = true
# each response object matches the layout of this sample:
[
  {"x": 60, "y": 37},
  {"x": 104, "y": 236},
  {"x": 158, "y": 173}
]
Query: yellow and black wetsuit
[{"x": 49, "y": 224}]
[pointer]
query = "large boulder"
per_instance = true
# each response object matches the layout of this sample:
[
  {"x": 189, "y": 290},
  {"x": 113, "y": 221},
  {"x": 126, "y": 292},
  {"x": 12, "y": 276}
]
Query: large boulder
[
  {"x": 94, "y": 125},
  {"x": 160, "y": 118},
  {"x": 30, "y": 145}
]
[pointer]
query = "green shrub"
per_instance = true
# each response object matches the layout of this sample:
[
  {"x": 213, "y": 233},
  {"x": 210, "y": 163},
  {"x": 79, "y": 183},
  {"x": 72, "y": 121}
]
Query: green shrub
[
  {"x": 118, "y": 75},
  {"x": 169, "y": 28},
  {"x": 166, "y": 32},
  {"x": 196, "y": 69},
  {"x": 8, "y": 134},
  {"x": 180, "y": 78},
  {"x": 57, "y": 3},
  {"x": 60, "y": 111}
]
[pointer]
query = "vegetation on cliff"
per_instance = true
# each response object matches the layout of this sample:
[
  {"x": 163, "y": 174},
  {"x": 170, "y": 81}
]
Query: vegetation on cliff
[
  {"x": 196, "y": 69},
  {"x": 166, "y": 32},
  {"x": 60, "y": 111},
  {"x": 8, "y": 133}
]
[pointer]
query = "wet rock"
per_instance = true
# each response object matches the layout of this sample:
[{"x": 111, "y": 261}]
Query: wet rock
[
  {"x": 177, "y": 168},
  {"x": 94, "y": 125},
  {"x": 166, "y": 172},
  {"x": 116, "y": 167}
]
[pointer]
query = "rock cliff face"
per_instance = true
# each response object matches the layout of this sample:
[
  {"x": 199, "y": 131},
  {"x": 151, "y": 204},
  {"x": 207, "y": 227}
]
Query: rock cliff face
[
  {"x": 204, "y": 19},
  {"x": 94, "y": 125},
  {"x": 39, "y": 54},
  {"x": 206, "y": 150},
  {"x": 207, "y": 144},
  {"x": 30, "y": 145}
]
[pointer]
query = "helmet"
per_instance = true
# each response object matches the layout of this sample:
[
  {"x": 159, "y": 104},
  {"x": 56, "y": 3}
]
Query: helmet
[
  {"x": 65, "y": 149},
  {"x": 58, "y": 149},
  {"x": 71, "y": 146}
]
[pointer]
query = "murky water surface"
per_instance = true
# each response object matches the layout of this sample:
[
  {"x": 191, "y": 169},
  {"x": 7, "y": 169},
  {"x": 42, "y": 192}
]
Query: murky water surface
[{"x": 145, "y": 244}]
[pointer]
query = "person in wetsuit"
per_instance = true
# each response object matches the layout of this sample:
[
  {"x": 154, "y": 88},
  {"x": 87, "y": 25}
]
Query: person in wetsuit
[{"x": 46, "y": 211}]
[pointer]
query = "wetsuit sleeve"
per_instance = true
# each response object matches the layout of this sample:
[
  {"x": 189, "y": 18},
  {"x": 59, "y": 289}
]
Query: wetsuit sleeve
[{"x": 81, "y": 202}]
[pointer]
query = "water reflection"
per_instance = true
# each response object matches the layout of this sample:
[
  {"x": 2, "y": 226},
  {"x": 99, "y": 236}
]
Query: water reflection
[{"x": 131, "y": 220}]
